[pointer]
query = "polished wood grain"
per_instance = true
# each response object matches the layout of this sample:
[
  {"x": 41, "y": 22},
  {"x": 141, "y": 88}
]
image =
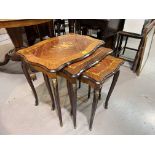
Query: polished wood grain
[
  {"x": 55, "y": 53},
  {"x": 100, "y": 72},
  {"x": 75, "y": 69},
  {"x": 21, "y": 22},
  {"x": 94, "y": 77}
]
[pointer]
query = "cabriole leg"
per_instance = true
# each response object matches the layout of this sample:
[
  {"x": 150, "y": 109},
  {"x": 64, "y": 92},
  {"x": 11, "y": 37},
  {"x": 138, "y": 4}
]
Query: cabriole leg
[
  {"x": 70, "y": 96},
  {"x": 73, "y": 88},
  {"x": 47, "y": 82},
  {"x": 94, "y": 106},
  {"x": 89, "y": 91},
  {"x": 57, "y": 99},
  {"x": 25, "y": 70},
  {"x": 115, "y": 78}
]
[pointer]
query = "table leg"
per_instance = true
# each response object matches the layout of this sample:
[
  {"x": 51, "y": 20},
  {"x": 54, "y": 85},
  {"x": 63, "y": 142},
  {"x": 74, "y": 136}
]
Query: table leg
[
  {"x": 70, "y": 97},
  {"x": 94, "y": 106},
  {"x": 115, "y": 78},
  {"x": 47, "y": 82},
  {"x": 25, "y": 70},
  {"x": 89, "y": 91},
  {"x": 73, "y": 94},
  {"x": 100, "y": 93},
  {"x": 16, "y": 37},
  {"x": 79, "y": 84},
  {"x": 57, "y": 99}
]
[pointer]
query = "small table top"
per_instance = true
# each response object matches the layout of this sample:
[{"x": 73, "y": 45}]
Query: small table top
[
  {"x": 97, "y": 75},
  {"x": 56, "y": 53},
  {"x": 75, "y": 69}
]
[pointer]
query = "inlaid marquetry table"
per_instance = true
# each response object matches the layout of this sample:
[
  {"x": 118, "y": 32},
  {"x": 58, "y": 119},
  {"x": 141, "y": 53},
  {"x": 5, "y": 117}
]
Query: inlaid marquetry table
[{"x": 52, "y": 55}]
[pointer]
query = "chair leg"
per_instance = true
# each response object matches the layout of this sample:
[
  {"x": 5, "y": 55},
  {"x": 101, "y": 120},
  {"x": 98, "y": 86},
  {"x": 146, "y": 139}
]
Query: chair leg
[
  {"x": 47, "y": 82},
  {"x": 89, "y": 91},
  {"x": 73, "y": 91},
  {"x": 115, "y": 78},
  {"x": 25, "y": 70},
  {"x": 117, "y": 45},
  {"x": 94, "y": 106},
  {"x": 57, "y": 99},
  {"x": 126, "y": 40},
  {"x": 120, "y": 43},
  {"x": 38, "y": 31}
]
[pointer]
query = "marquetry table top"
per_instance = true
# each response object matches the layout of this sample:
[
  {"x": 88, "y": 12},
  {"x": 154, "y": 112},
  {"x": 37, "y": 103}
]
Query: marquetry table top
[
  {"x": 55, "y": 53},
  {"x": 103, "y": 69},
  {"x": 75, "y": 69}
]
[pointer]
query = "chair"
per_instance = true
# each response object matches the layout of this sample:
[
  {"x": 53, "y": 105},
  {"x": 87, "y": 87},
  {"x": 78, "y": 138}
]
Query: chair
[
  {"x": 59, "y": 26},
  {"x": 104, "y": 29},
  {"x": 132, "y": 29}
]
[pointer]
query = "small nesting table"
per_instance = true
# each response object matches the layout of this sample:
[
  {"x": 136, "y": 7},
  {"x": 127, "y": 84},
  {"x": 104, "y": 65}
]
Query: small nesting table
[
  {"x": 73, "y": 71},
  {"x": 52, "y": 55}
]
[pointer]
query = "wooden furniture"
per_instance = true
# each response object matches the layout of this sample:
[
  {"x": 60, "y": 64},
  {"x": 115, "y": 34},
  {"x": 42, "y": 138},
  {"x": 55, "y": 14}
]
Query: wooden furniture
[
  {"x": 143, "y": 55},
  {"x": 119, "y": 47},
  {"x": 132, "y": 29},
  {"x": 52, "y": 55},
  {"x": 14, "y": 29},
  {"x": 101, "y": 68},
  {"x": 96, "y": 76},
  {"x": 106, "y": 28},
  {"x": 59, "y": 26},
  {"x": 73, "y": 71}
]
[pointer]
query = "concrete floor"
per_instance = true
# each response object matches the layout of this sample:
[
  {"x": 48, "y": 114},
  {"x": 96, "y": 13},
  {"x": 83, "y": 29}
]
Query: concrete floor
[{"x": 131, "y": 106}]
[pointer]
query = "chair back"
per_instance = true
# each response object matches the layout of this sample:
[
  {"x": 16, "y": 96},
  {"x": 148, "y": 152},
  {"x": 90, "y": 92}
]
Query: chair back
[{"x": 134, "y": 26}]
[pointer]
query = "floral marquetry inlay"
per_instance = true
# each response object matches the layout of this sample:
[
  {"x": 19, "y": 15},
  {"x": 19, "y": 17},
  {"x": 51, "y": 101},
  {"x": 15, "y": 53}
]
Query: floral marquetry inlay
[
  {"x": 64, "y": 45},
  {"x": 104, "y": 68},
  {"x": 76, "y": 68},
  {"x": 55, "y": 53}
]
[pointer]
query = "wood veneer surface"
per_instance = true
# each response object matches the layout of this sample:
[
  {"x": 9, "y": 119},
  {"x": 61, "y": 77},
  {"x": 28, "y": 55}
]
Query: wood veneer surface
[
  {"x": 55, "y": 53},
  {"x": 78, "y": 67},
  {"x": 100, "y": 71}
]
